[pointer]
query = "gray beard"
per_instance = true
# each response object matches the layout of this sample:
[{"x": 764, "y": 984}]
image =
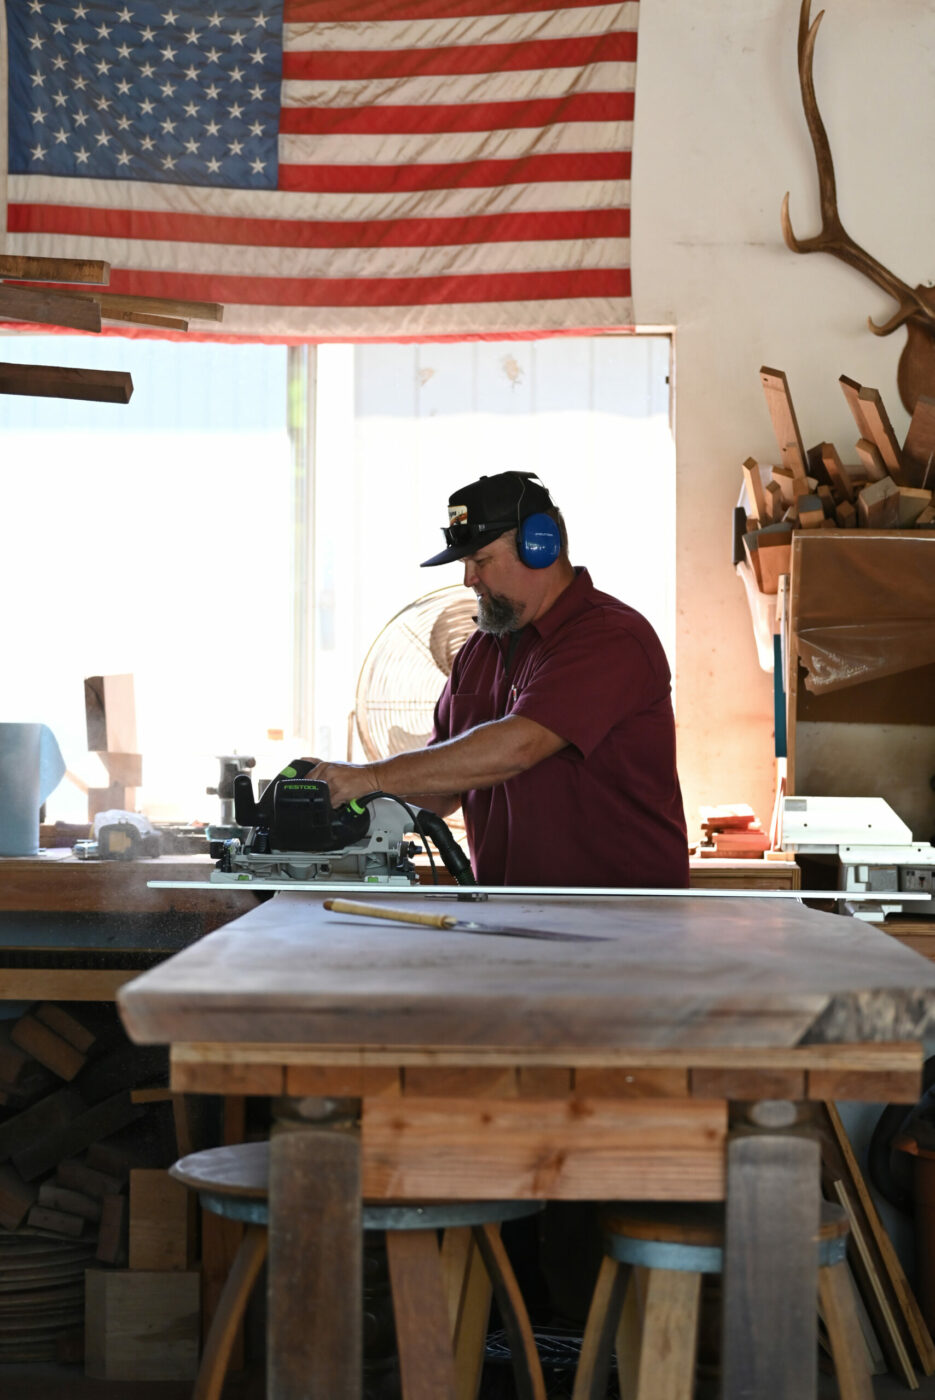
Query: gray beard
[{"x": 497, "y": 615}]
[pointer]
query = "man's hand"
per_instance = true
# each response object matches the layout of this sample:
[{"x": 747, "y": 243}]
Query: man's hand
[{"x": 345, "y": 780}]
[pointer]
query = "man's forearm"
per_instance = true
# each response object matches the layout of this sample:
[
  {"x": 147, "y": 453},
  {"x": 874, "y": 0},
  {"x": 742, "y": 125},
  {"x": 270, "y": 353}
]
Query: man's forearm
[
  {"x": 435, "y": 777},
  {"x": 483, "y": 757}
]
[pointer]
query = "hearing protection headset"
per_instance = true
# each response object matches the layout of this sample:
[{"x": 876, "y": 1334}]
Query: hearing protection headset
[{"x": 538, "y": 541}]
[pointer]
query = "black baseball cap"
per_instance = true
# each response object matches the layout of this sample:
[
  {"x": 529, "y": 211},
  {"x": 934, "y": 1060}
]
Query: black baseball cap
[{"x": 486, "y": 509}]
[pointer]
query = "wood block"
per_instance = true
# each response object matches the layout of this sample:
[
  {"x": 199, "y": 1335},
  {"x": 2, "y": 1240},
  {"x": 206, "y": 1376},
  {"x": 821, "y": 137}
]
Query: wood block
[
  {"x": 838, "y": 474},
  {"x": 881, "y": 432},
  {"x": 878, "y": 505},
  {"x": 544, "y": 1081},
  {"x": 926, "y": 519},
  {"x": 45, "y": 308},
  {"x": 34, "y": 269},
  {"x": 112, "y": 1231},
  {"x": 266, "y": 1080},
  {"x": 17, "y": 1198},
  {"x": 78, "y": 1176},
  {"x": 870, "y": 460},
  {"x": 58, "y": 382},
  {"x": 827, "y": 499},
  {"x": 755, "y": 493},
  {"x": 919, "y": 447},
  {"x": 162, "y": 1222},
  {"x": 851, "y": 391},
  {"x": 742, "y": 1085},
  {"x": 843, "y": 1086},
  {"x": 631, "y": 1083},
  {"x": 110, "y": 710},
  {"x": 782, "y": 414},
  {"x": 142, "y": 1325},
  {"x": 56, "y": 1221},
  {"x": 438, "y": 1080},
  {"x": 846, "y": 515},
  {"x": 341, "y": 1081},
  {"x": 73, "y": 1202},
  {"x": 788, "y": 482},
  {"x": 912, "y": 502},
  {"x": 50, "y": 1049},
  {"x": 772, "y": 495},
  {"x": 97, "y": 1122},
  {"x": 65, "y": 1025},
  {"x": 49, "y": 1114},
  {"x": 811, "y": 511}
]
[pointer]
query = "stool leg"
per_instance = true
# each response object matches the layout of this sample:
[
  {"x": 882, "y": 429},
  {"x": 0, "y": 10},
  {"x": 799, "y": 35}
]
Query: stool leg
[
  {"x": 629, "y": 1336},
  {"x": 670, "y": 1335},
  {"x": 423, "y": 1335},
  {"x": 468, "y": 1292},
  {"x": 527, "y": 1369},
  {"x": 593, "y": 1366},
  {"x": 230, "y": 1309},
  {"x": 847, "y": 1343}
]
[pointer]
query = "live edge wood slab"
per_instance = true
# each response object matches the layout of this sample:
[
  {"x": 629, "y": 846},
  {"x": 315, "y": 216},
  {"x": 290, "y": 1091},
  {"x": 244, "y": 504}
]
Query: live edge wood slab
[
  {"x": 662, "y": 974},
  {"x": 415, "y": 1064}
]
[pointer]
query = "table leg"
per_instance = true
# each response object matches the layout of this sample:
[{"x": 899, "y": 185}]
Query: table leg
[
  {"x": 314, "y": 1325},
  {"x": 771, "y": 1263}
]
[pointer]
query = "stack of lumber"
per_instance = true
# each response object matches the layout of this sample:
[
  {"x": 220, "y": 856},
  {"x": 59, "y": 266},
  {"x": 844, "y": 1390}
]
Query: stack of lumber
[
  {"x": 732, "y": 832},
  {"x": 25, "y": 299},
  {"x": 75, "y": 1128},
  {"x": 889, "y": 488}
]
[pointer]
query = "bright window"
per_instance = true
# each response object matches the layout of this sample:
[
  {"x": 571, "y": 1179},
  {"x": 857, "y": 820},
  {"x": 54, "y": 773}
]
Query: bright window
[{"x": 154, "y": 539}]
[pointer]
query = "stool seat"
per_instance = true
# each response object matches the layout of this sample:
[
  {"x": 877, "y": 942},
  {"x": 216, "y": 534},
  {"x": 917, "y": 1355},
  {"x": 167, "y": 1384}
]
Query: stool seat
[
  {"x": 690, "y": 1235},
  {"x": 647, "y": 1300},
  {"x": 234, "y": 1182},
  {"x": 432, "y": 1310},
  {"x": 696, "y": 1222}
]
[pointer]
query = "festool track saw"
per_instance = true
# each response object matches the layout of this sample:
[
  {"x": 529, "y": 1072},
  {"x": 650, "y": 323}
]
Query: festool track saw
[{"x": 292, "y": 835}]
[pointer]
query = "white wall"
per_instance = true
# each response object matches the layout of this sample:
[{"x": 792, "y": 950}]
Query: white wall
[{"x": 719, "y": 137}]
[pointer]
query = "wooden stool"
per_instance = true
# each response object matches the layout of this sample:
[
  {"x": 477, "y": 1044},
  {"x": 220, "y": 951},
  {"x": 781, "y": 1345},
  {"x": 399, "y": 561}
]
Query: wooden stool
[
  {"x": 673, "y": 1245},
  {"x": 233, "y": 1182}
]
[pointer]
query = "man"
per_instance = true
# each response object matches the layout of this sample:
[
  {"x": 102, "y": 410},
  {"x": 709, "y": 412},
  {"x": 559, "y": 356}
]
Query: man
[{"x": 555, "y": 730}]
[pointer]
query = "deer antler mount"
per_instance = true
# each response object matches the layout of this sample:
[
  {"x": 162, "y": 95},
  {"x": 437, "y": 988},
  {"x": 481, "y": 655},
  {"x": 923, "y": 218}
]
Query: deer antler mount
[{"x": 916, "y": 372}]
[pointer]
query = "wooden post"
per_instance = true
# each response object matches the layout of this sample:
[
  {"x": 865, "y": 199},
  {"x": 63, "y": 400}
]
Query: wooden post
[
  {"x": 314, "y": 1331},
  {"x": 770, "y": 1336}
]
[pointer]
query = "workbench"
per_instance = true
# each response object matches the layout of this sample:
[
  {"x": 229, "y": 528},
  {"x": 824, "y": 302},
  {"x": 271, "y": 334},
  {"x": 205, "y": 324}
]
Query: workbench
[
  {"x": 416, "y": 1065},
  {"x": 76, "y": 930}
]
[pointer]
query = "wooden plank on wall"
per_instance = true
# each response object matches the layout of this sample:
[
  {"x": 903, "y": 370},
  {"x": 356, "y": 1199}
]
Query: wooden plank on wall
[{"x": 58, "y": 382}]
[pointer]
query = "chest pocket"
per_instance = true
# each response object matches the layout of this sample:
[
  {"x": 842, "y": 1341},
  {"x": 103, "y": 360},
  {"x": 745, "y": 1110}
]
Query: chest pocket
[{"x": 468, "y": 710}]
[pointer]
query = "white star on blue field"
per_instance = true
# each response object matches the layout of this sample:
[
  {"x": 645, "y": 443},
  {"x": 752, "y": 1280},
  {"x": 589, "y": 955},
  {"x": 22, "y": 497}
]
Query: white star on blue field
[{"x": 150, "y": 91}]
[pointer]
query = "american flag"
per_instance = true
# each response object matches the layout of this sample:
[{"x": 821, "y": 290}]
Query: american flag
[{"x": 331, "y": 170}]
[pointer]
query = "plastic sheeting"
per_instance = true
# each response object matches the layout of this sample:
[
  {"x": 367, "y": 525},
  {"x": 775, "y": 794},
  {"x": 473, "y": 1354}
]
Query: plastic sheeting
[{"x": 863, "y": 604}]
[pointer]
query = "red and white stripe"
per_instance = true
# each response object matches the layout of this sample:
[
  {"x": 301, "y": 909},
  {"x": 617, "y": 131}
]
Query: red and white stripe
[{"x": 440, "y": 174}]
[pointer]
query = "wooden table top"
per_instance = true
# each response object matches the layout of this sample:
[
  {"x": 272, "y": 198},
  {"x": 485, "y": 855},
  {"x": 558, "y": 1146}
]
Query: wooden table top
[{"x": 675, "y": 973}]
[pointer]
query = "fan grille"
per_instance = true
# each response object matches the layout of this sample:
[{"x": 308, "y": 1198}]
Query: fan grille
[{"x": 405, "y": 669}]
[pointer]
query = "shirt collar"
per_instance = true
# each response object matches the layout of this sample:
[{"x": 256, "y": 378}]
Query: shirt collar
[{"x": 569, "y": 602}]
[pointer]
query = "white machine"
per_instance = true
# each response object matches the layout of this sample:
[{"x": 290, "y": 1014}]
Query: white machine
[{"x": 875, "y": 851}]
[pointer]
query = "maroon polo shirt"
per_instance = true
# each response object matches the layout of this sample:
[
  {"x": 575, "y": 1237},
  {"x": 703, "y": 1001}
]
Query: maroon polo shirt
[{"x": 606, "y": 809}]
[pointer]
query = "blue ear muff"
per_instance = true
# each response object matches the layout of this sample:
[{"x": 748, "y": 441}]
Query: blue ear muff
[{"x": 538, "y": 542}]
